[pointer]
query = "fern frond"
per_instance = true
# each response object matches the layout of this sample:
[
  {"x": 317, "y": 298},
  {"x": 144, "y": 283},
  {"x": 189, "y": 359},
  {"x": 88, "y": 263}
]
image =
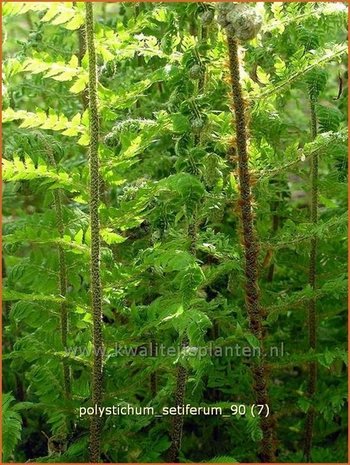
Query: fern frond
[
  {"x": 59, "y": 71},
  {"x": 18, "y": 170},
  {"x": 222, "y": 459},
  {"x": 309, "y": 63},
  {"x": 55, "y": 13},
  {"x": 50, "y": 121},
  {"x": 9, "y": 295},
  {"x": 11, "y": 427}
]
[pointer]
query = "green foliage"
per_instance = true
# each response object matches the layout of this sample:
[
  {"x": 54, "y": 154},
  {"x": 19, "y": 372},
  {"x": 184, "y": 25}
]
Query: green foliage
[
  {"x": 222, "y": 459},
  {"x": 170, "y": 229},
  {"x": 11, "y": 426}
]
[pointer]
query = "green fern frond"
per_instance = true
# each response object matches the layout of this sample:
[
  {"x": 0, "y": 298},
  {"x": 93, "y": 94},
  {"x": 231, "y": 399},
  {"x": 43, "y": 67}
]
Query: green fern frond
[
  {"x": 222, "y": 459},
  {"x": 49, "y": 121},
  {"x": 59, "y": 71},
  {"x": 11, "y": 427},
  {"x": 19, "y": 170},
  {"x": 60, "y": 13}
]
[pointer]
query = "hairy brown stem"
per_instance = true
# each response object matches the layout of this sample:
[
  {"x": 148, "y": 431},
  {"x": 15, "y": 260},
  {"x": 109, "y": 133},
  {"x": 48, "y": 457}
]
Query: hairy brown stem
[
  {"x": 310, "y": 416},
  {"x": 96, "y": 291},
  {"x": 177, "y": 422},
  {"x": 181, "y": 380},
  {"x": 250, "y": 244}
]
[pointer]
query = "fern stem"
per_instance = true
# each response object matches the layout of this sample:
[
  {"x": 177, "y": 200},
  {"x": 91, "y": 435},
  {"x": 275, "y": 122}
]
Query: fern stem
[
  {"x": 275, "y": 226},
  {"x": 153, "y": 376},
  {"x": 5, "y": 305},
  {"x": 63, "y": 276},
  {"x": 177, "y": 423},
  {"x": 250, "y": 244},
  {"x": 63, "y": 292},
  {"x": 215, "y": 331},
  {"x": 310, "y": 416},
  {"x": 96, "y": 291},
  {"x": 203, "y": 36},
  {"x": 81, "y": 53},
  {"x": 181, "y": 375}
]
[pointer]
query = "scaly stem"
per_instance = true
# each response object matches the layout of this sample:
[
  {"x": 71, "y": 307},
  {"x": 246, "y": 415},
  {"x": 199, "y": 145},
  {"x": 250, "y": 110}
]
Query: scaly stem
[
  {"x": 181, "y": 377},
  {"x": 310, "y": 417},
  {"x": 177, "y": 423},
  {"x": 96, "y": 291},
  {"x": 250, "y": 244}
]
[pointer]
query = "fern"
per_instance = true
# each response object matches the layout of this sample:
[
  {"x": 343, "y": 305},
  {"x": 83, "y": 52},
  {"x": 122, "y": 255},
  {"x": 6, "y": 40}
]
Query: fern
[
  {"x": 50, "y": 121},
  {"x": 11, "y": 427},
  {"x": 254, "y": 310},
  {"x": 149, "y": 181},
  {"x": 26, "y": 170},
  {"x": 59, "y": 71},
  {"x": 57, "y": 14},
  {"x": 307, "y": 65},
  {"x": 222, "y": 459},
  {"x": 96, "y": 291}
]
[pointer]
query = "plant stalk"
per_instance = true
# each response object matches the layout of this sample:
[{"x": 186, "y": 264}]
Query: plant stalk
[
  {"x": 96, "y": 291},
  {"x": 63, "y": 276},
  {"x": 177, "y": 423},
  {"x": 250, "y": 244},
  {"x": 63, "y": 292},
  {"x": 181, "y": 375},
  {"x": 310, "y": 416}
]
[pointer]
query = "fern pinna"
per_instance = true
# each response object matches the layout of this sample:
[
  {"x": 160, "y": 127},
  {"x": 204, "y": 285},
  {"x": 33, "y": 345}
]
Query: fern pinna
[{"x": 171, "y": 222}]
